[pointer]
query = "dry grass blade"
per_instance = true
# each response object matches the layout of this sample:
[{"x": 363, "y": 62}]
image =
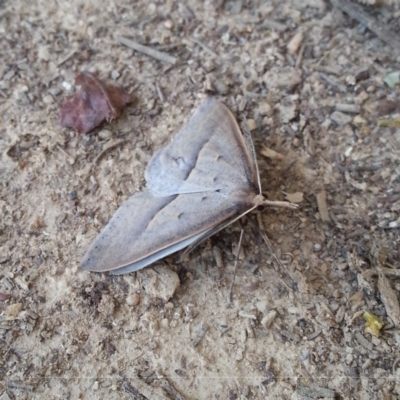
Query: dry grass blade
[{"x": 159, "y": 55}]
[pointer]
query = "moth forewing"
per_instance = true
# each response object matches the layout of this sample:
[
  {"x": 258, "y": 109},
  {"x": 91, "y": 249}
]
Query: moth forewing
[{"x": 205, "y": 178}]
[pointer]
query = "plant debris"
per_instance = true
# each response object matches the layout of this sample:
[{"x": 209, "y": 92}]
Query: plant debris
[
  {"x": 92, "y": 104},
  {"x": 374, "y": 324}
]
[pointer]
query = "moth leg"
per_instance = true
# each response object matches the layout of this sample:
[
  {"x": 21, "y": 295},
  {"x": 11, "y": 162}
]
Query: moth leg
[
  {"x": 235, "y": 265},
  {"x": 285, "y": 204},
  {"x": 293, "y": 286}
]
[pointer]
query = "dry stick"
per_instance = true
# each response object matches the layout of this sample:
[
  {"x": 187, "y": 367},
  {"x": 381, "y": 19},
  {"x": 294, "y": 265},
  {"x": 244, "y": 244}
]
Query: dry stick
[
  {"x": 66, "y": 58},
  {"x": 333, "y": 82},
  {"x": 107, "y": 149},
  {"x": 355, "y": 11},
  {"x": 300, "y": 56},
  {"x": 160, "y": 93},
  {"x": 159, "y": 55},
  {"x": 203, "y": 46},
  {"x": 235, "y": 266}
]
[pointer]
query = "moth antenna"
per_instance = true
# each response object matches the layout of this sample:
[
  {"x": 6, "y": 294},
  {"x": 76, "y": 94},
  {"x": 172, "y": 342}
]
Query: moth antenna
[
  {"x": 249, "y": 142},
  {"x": 235, "y": 265}
]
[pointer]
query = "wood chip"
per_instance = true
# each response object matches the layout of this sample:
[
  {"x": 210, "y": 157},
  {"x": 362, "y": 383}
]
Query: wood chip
[
  {"x": 199, "y": 335},
  {"x": 272, "y": 154},
  {"x": 159, "y": 55},
  {"x": 269, "y": 318},
  {"x": 295, "y": 197},
  {"x": 389, "y": 298},
  {"x": 322, "y": 206},
  {"x": 347, "y": 108},
  {"x": 364, "y": 342},
  {"x": 295, "y": 43},
  {"x": 203, "y": 46},
  {"x": 333, "y": 82},
  {"x": 315, "y": 392},
  {"x": 246, "y": 315}
]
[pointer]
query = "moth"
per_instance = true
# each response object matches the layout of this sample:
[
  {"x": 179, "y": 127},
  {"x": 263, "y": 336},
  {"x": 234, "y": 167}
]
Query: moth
[{"x": 204, "y": 180}]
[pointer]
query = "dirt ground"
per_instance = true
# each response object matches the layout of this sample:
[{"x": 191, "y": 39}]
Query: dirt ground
[{"x": 314, "y": 84}]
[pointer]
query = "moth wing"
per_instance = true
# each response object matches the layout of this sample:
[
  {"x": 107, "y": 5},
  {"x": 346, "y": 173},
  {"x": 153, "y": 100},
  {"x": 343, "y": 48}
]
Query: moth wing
[
  {"x": 144, "y": 262},
  {"x": 147, "y": 228},
  {"x": 209, "y": 153}
]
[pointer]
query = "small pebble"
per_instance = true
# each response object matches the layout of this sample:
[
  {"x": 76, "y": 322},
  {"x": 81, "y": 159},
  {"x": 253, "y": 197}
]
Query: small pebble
[
  {"x": 67, "y": 85},
  {"x": 265, "y": 109},
  {"x": 341, "y": 118},
  {"x": 115, "y": 75},
  {"x": 348, "y": 108},
  {"x": 105, "y": 134},
  {"x": 54, "y": 91},
  {"x": 165, "y": 323},
  {"x": 133, "y": 299},
  {"x": 48, "y": 99},
  {"x": 168, "y": 24}
]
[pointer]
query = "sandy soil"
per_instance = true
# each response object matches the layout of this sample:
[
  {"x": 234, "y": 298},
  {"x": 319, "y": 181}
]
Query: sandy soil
[{"x": 313, "y": 82}]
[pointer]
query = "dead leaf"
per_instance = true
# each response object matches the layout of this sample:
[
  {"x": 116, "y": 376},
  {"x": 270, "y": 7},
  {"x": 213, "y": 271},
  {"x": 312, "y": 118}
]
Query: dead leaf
[{"x": 92, "y": 104}]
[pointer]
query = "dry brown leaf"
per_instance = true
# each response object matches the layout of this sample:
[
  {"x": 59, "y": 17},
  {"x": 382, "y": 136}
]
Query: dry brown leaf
[
  {"x": 92, "y": 104},
  {"x": 4, "y": 296}
]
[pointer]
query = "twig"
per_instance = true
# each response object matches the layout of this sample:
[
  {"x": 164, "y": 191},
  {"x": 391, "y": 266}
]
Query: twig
[
  {"x": 199, "y": 335},
  {"x": 107, "y": 149},
  {"x": 355, "y": 11},
  {"x": 66, "y": 58},
  {"x": 160, "y": 93},
  {"x": 299, "y": 59},
  {"x": 171, "y": 391},
  {"x": 146, "y": 50},
  {"x": 333, "y": 82},
  {"x": 203, "y": 46}
]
